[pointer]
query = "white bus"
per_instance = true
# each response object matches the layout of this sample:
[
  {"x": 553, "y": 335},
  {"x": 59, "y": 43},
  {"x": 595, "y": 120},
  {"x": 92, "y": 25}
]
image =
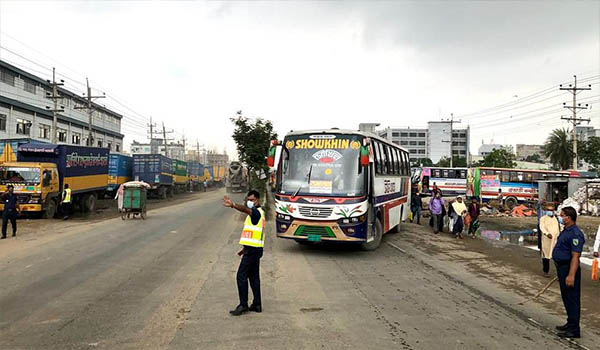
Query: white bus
[
  {"x": 451, "y": 181},
  {"x": 340, "y": 186}
]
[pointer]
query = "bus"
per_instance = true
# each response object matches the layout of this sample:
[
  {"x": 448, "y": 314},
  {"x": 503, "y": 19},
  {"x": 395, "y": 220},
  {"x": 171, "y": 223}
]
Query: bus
[
  {"x": 336, "y": 185},
  {"x": 451, "y": 181},
  {"x": 517, "y": 185}
]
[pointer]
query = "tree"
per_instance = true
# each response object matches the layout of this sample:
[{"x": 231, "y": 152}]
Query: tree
[
  {"x": 252, "y": 140},
  {"x": 534, "y": 158},
  {"x": 590, "y": 151},
  {"x": 424, "y": 162},
  {"x": 559, "y": 148},
  {"x": 498, "y": 158},
  {"x": 456, "y": 162}
]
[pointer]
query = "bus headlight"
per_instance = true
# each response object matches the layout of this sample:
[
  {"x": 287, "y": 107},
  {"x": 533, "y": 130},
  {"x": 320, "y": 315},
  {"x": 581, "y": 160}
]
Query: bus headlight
[
  {"x": 284, "y": 217},
  {"x": 345, "y": 221}
]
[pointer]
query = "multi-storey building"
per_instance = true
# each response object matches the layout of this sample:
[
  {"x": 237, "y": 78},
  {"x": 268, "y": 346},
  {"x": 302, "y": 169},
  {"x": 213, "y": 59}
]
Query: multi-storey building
[
  {"x": 157, "y": 146},
  {"x": 524, "y": 151},
  {"x": 434, "y": 142},
  {"x": 25, "y": 112}
]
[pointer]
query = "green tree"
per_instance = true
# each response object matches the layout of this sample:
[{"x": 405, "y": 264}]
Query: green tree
[
  {"x": 590, "y": 151},
  {"x": 456, "y": 162},
  {"x": 252, "y": 139},
  {"x": 534, "y": 158},
  {"x": 499, "y": 158},
  {"x": 559, "y": 148},
  {"x": 424, "y": 162}
]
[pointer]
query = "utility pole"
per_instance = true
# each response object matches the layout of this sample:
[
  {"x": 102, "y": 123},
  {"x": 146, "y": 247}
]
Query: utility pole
[
  {"x": 152, "y": 126},
  {"x": 451, "y": 131},
  {"x": 54, "y": 97},
  {"x": 197, "y": 150},
  {"x": 573, "y": 89},
  {"x": 90, "y": 110},
  {"x": 165, "y": 132}
]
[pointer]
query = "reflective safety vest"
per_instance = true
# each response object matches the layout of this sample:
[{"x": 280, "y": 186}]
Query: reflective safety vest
[
  {"x": 253, "y": 235},
  {"x": 67, "y": 198}
]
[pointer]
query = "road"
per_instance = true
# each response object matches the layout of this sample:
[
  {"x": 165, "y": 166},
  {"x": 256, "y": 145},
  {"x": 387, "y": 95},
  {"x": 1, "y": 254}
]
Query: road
[{"x": 169, "y": 281}]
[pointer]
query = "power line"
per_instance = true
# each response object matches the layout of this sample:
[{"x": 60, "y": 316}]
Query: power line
[{"x": 574, "y": 90}]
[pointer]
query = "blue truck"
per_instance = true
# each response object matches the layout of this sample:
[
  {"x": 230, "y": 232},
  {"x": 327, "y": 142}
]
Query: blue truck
[
  {"x": 120, "y": 170},
  {"x": 157, "y": 171},
  {"x": 42, "y": 170},
  {"x": 196, "y": 175}
]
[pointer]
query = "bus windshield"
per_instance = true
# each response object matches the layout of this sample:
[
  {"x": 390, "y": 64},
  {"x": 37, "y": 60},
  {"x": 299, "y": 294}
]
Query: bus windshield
[
  {"x": 19, "y": 175},
  {"x": 325, "y": 165}
]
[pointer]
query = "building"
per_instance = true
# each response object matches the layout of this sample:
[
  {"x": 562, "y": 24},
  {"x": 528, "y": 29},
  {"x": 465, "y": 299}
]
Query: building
[
  {"x": 214, "y": 158},
  {"x": 433, "y": 142},
  {"x": 487, "y": 148},
  {"x": 525, "y": 151},
  {"x": 585, "y": 132},
  {"x": 368, "y": 127},
  {"x": 24, "y": 113},
  {"x": 157, "y": 146}
]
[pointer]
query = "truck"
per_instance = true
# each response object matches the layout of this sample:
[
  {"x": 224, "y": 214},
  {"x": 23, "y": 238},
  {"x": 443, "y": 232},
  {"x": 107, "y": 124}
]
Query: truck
[
  {"x": 218, "y": 175},
  {"x": 43, "y": 169},
  {"x": 120, "y": 170},
  {"x": 180, "y": 176},
  {"x": 237, "y": 178},
  {"x": 157, "y": 171},
  {"x": 9, "y": 148},
  {"x": 196, "y": 175}
]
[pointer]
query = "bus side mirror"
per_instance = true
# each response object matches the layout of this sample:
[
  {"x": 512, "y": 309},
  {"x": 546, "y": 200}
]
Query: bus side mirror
[
  {"x": 364, "y": 155},
  {"x": 272, "y": 152}
]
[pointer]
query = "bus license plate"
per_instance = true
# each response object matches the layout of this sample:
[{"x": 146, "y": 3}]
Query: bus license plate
[{"x": 314, "y": 238}]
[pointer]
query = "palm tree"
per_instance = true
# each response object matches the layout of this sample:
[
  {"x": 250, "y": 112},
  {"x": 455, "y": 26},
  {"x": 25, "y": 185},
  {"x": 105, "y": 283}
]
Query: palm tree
[{"x": 559, "y": 148}]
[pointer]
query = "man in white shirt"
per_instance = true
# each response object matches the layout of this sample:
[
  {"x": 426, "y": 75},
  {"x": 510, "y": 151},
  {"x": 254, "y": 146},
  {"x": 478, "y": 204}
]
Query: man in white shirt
[{"x": 597, "y": 243}]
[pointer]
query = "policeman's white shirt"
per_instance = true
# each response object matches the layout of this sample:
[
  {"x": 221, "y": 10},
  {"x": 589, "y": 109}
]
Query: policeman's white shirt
[{"x": 597, "y": 242}]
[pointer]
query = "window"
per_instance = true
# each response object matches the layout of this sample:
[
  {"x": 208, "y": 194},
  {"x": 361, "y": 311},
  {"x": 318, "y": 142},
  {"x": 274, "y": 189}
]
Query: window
[
  {"x": 421, "y": 134},
  {"x": 99, "y": 143},
  {"x": 413, "y": 134},
  {"x": 462, "y": 135},
  {"x": 412, "y": 151},
  {"x": 445, "y": 173},
  {"x": 486, "y": 172},
  {"x": 377, "y": 154},
  {"x": 437, "y": 173},
  {"x": 454, "y": 152},
  {"x": 454, "y": 143},
  {"x": 76, "y": 138},
  {"x": 454, "y": 134},
  {"x": 403, "y": 134},
  {"x": 412, "y": 143},
  {"x": 7, "y": 77},
  {"x": 384, "y": 159},
  {"x": 118, "y": 147},
  {"x": 421, "y": 151},
  {"x": 395, "y": 142},
  {"x": 23, "y": 127},
  {"x": 406, "y": 164},
  {"x": 61, "y": 135},
  {"x": 29, "y": 85},
  {"x": 109, "y": 146},
  {"x": 404, "y": 143},
  {"x": 395, "y": 134},
  {"x": 463, "y": 174},
  {"x": 421, "y": 143},
  {"x": 2, "y": 122},
  {"x": 452, "y": 174},
  {"x": 44, "y": 132},
  {"x": 463, "y": 151},
  {"x": 505, "y": 176}
]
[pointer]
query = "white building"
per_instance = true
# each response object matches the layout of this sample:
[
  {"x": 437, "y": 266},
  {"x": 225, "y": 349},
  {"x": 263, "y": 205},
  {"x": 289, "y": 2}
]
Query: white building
[
  {"x": 157, "y": 146},
  {"x": 24, "y": 113},
  {"x": 487, "y": 148},
  {"x": 433, "y": 142}
]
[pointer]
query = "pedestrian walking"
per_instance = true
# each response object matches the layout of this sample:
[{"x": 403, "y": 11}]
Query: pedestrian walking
[
  {"x": 65, "y": 203},
  {"x": 205, "y": 185},
  {"x": 460, "y": 210},
  {"x": 474, "y": 212},
  {"x": 119, "y": 197},
  {"x": 450, "y": 216},
  {"x": 566, "y": 255},
  {"x": 435, "y": 189},
  {"x": 11, "y": 211},
  {"x": 549, "y": 231},
  {"x": 252, "y": 241},
  {"x": 500, "y": 198},
  {"x": 416, "y": 206},
  {"x": 436, "y": 207}
]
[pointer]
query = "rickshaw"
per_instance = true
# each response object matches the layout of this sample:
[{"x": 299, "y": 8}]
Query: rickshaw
[{"x": 134, "y": 200}]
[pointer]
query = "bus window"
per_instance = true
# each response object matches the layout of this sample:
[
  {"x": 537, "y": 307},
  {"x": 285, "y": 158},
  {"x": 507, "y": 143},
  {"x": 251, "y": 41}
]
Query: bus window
[
  {"x": 528, "y": 177},
  {"x": 396, "y": 164},
  {"x": 389, "y": 159},
  {"x": 463, "y": 174},
  {"x": 436, "y": 173},
  {"x": 514, "y": 177},
  {"x": 377, "y": 157},
  {"x": 452, "y": 174},
  {"x": 384, "y": 168},
  {"x": 505, "y": 176},
  {"x": 406, "y": 163},
  {"x": 486, "y": 172},
  {"x": 445, "y": 173},
  {"x": 537, "y": 176}
]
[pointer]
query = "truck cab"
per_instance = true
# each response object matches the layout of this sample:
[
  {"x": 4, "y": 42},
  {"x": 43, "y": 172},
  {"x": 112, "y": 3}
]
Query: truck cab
[{"x": 36, "y": 185}]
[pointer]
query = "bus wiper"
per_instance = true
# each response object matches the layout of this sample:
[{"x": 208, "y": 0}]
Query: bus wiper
[{"x": 308, "y": 181}]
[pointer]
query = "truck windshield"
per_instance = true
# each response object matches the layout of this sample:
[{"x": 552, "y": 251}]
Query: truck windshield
[
  {"x": 325, "y": 165},
  {"x": 19, "y": 175}
]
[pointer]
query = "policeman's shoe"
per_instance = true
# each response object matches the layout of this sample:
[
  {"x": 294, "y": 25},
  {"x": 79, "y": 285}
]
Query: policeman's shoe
[
  {"x": 255, "y": 308},
  {"x": 562, "y": 328},
  {"x": 14, "y": 235},
  {"x": 568, "y": 334},
  {"x": 3, "y": 237},
  {"x": 239, "y": 310}
]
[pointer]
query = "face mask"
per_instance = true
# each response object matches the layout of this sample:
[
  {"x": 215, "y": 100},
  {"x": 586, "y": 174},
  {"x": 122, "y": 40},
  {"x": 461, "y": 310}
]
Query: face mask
[
  {"x": 550, "y": 213},
  {"x": 560, "y": 220},
  {"x": 250, "y": 204}
]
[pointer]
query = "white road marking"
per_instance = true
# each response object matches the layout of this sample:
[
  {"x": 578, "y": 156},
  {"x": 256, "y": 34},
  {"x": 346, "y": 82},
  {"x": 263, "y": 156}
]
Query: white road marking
[{"x": 583, "y": 260}]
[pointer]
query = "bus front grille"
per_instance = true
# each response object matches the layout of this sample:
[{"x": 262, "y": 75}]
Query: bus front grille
[
  {"x": 305, "y": 230},
  {"x": 315, "y": 212}
]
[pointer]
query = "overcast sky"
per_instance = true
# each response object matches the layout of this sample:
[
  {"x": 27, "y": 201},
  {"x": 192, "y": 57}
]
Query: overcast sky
[{"x": 315, "y": 64}]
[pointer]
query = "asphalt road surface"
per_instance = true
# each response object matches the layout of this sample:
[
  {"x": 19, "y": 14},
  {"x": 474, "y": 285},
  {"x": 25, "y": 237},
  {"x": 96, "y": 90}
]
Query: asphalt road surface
[{"x": 169, "y": 281}]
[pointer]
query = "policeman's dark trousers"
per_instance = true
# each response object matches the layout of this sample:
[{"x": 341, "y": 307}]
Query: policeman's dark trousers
[
  {"x": 546, "y": 265},
  {"x": 417, "y": 215},
  {"x": 12, "y": 217},
  {"x": 66, "y": 210},
  {"x": 249, "y": 270},
  {"x": 571, "y": 296}
]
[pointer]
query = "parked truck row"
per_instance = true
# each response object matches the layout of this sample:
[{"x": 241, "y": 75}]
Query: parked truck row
[{"x": 39, "y": 171}]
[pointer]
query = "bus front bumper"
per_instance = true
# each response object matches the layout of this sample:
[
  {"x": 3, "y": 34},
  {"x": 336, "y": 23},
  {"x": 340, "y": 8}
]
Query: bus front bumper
[{"x": 302, "y": 230}]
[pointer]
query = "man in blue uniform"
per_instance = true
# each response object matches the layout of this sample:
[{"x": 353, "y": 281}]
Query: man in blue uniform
[
  {"x": 566, "y": 255},
  {"x": 11, "y": 210},
  {"x": 252, "y": 241}
]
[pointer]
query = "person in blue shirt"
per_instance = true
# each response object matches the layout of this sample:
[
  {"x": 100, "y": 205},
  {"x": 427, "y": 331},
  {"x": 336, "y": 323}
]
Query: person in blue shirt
[
  {"x": 11, "y": 211},
  {"x": 566, "y": 255}
]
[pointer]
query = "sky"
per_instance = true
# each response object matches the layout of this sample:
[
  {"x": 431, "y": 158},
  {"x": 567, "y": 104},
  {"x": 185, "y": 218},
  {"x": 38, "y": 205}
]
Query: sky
[{"x": 311, "y": 64}]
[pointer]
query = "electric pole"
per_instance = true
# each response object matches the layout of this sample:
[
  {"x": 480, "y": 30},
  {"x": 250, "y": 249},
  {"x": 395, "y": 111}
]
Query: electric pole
[
  {"x": 451, "y": 131},
  {"x": 573, "y": 89},
  {"x": 197, "y": 151},
  {"x": 165, "y": 132},
  {"x": 55, "y": 97},
  {"x": 152, "y": 126},
  {"x": 90, "y": 110}
]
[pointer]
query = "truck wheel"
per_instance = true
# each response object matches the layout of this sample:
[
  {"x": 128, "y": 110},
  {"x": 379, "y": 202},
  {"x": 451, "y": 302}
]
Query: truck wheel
[
  {"x": 50, "y": 209},
  {"x": 511, "y": 202},
  {"x": 162, "y": 193},
  {"x": 378, "y": 234},
  {"x": 171, "y": 191},
  {"x": 89, "y": 204}
]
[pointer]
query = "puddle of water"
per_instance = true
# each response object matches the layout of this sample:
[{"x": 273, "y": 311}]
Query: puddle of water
[{"x": 523, "y": 237}]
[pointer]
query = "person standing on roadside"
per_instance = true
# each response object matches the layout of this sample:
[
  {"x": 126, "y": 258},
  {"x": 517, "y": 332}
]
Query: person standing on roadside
[
  {"x": 549, "y": 231},
  {"x": 566, "y": 255},
  {"x": 205, "y": 185},
  {"x": 415, "y": 206},
  {"x": 11, "y": 211},
  {"x": 252, "y": 241},
  {"x": 474, "y": 212},
  {"x": 435, "y": 189},
  {"x": 436, "y": 208},
  {"x": 460, "y": 210},
  {"x": 65, "y": 203},
  {"x": 500, "y": 198},
  {"x": 597, "y": 242}
]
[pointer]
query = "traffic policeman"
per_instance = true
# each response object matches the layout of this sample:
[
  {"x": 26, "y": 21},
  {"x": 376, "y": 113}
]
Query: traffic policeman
[
  {"x": 252, "y": 241},
  {"x": 11, "y": 210},
  {"x": 566, "y": 255},
  {"x": 66, "y": 202}
]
